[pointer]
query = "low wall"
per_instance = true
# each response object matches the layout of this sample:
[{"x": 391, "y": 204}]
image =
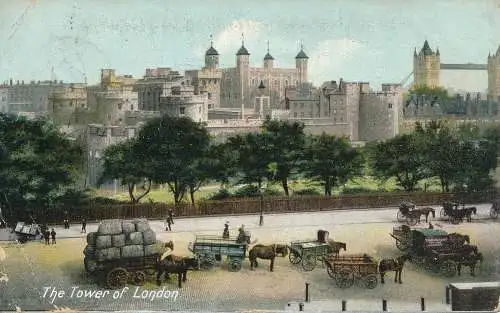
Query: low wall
[{"x": 268, "y": 205}]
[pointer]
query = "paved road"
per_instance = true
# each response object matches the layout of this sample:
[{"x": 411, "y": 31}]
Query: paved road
[
  {"x": 277, "y": 224},
  {"x": 286, "y": 222}
]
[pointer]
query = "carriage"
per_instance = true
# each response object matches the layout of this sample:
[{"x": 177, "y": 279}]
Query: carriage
[
  {"x": 210, "y": 249},
  {"x": 308, "y": 252},
  {"x": 118, "y": 272},
  {"x": 495, "y": 208},
  {"x": 406, "y": 213},
  {"x": 346, "y": 269},
  {"x": 26, "y": 232},
  {"x": 452, "y": 212},
  {"x": 430, "y": 248}
]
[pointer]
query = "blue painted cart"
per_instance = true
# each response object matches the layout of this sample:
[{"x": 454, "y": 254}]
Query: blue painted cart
[{"x": 209, "y": 249}]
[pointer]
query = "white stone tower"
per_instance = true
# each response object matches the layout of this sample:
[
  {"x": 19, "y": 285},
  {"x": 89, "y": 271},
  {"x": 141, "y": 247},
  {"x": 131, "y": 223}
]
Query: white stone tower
[
  {"x": 211, "y": 57},
  {"x": 242, "y": 66},
  {"x": 494, "y": 76},
  {"x": 268, "y": 59}
]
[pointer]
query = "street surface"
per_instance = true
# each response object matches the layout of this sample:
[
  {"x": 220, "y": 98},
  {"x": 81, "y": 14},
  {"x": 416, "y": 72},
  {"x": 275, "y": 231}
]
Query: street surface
[{"x": 34, "y": 266}]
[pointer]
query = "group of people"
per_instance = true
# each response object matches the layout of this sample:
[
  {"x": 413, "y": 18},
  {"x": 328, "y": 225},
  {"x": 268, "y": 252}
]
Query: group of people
[{"x": 47, "y": 235}]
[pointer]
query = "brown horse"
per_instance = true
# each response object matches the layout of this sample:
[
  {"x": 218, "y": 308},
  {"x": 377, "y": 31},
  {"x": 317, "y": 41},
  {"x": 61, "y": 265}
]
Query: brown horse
[
  {"x": 336, "y": 246},
  {"x": 392, "y": 265},
  {"x": 179, "y": 266},
  {"x": 471, "y": 261},
  {"x": 266, "y": 253},
  {"x": 417, "y": 213}
]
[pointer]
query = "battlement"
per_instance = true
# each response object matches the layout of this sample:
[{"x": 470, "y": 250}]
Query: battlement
[
  {"x": 99, "y": 130},
  {"x": 234, "y": 123}
]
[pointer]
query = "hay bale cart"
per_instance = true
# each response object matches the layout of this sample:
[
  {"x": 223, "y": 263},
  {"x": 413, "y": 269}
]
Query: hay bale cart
[
  {"x": 347, "y": 269},
  {"x": 210, "y": 249},
  {"x": 115, "y": 274},
  {"x": 309, "y": 252}
]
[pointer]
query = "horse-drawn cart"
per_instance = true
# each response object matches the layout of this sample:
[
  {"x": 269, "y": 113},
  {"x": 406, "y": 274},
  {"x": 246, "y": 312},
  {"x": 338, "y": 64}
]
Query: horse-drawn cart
[
  {"x": 117, "y": 273},
  {"x": 308, "y": 252},
  {"x": 26, "y": 232},
  {"x": 209, "y": 249},
  {"x": 348, "y": 268}
]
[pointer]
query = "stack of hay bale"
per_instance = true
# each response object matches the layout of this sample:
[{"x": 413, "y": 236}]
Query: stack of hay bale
[{"x": 117, "y": 239}]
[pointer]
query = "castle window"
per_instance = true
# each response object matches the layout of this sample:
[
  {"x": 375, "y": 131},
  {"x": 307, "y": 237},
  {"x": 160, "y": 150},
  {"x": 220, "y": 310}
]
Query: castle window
[
  {"x": 182, "y": 110},
  {"x": 390, "y": 105},
  {"x": 209, "y": 96},
  {"x": 286, "y": 83},
  {"x": 294, "y": 114},
  {"x": 131, "y": 107}
]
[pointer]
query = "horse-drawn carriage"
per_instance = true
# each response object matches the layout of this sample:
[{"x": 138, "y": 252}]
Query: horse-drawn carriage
[
  {"x": 437, "y": 250},
  {"x": 452, "y": 212},
  {"x": 26, "y": 232},
  {"x": 410, "y": 214},
  {"x": 310, "y": 251},
  {"x": 210, "y": 249},
  {"x": 346, "y": 269}
]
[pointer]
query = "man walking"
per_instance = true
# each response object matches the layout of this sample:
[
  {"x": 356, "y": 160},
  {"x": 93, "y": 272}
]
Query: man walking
[
  {"x": 169, "y": 224},
  {"x": 84, "y": 226},
  {"x": 53, "y": 235},
  {"x": 171, "y": 215},
  {"x": 46, "y": 236}
]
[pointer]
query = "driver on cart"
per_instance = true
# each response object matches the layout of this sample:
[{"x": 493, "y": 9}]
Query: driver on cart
[{"x": 166, "y": 255}]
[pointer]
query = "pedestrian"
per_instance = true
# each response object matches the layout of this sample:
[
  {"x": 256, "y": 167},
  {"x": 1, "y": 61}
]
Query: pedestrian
[
  {"x": 53, "y": 235},
  {"x": 169, "y": 224},
  {"x": 171, "y": 215},
  {"x": 84, "y": 226},
  {"x": 46, "y": 236},
  {"x": 66, "y": 224},
  {"x": 225, "y": 233}
]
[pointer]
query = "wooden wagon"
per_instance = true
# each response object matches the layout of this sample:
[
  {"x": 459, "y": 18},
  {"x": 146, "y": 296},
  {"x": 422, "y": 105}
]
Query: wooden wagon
[
  {"x": 210, "y": 249},
  {"x": 117, "y": 273},
  {"x": 308, "y": 252},
  {"x": 346, "y": 269},
  {"x": 26, "y": 232}
]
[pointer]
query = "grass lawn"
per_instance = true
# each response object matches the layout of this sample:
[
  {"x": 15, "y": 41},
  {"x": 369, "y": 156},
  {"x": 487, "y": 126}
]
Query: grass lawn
[{"x": 359, "y": 185}]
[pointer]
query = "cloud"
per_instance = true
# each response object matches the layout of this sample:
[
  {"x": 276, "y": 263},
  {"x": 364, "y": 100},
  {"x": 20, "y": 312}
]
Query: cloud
[
  {"x": 327, "y": 59},
  {"x": 228, "y": 40}
]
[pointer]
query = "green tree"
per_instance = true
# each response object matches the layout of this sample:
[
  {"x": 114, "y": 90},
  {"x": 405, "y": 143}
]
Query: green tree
[
  {"x": 400, "y": 157},
  {"x": 286, "y": 144},
  {"x": 331, "y": 160},
  {"x": 254, "y": 157},
  {"x": 439, "y": 92},
  {"x": 123, "y": 161},
  {"x": 171, "y": 146},
  {"x": 222, "y": 163},
  {"x": 38, "y": 165}
]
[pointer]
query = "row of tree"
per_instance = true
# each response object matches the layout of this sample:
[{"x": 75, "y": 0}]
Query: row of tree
[{"x": 179, "y": 152}]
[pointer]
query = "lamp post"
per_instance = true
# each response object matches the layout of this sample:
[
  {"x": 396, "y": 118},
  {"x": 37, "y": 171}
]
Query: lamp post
[
  {"x": 260, "y": 92},
  {"x": 261, "y": 217}
]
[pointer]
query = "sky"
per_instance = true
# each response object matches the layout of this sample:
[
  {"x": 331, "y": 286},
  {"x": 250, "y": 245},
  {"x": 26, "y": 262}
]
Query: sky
[{"x": 363, "y": 40}]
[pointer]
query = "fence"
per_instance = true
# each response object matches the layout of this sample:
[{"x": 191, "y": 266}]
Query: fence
[{"x": 267, "y": 205}]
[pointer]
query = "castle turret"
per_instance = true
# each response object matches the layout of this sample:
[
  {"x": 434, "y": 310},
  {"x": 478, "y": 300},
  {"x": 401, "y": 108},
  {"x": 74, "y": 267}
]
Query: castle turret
[
  {"x": 242, "y": 57},
  {"x": 494, "y": 76},
  {"x": 301, "y": 65},
  {"x": 268, "y": 59},
  {"x": 426, "y": 67},
  {"x": 211, "y": 57}
]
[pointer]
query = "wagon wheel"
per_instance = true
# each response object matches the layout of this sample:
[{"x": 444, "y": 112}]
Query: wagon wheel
[
  {"x": 139, "y": 278},
  {"x": 309, "y": 262},
  {"x": 207, "y": 261},
  {"x": 455, "y": 220},
  {"x": 370, "y": 281},
  {"x": 294, "y": 257},
  {"x": 400, "y": 216},
  {"x": 329, "y": 270},
  {"x": 117, "y": 278},
  {"x": 493, "y": 212},
  {"x": 403, "y": 244},
  {"x": 344, "y": 278},
  {"x": 431, "y": 264},
  {"x": 448, "y": 268},
  {"x": 412, "y": 220},
  {"x": 235, "y": 266}
]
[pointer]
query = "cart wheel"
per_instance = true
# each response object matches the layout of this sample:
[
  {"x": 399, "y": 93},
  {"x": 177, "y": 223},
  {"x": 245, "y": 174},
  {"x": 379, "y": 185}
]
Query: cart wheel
[
  {"x": 235, "y": 266},
  {"x": 117, "y": 278},
  {"x": 402, "y": 245},
  {"x": 493, "y": 213},
  {"x": 431, "y": 265},
  {"x": 330, "y": 271},
  {"x": 455, "y": 220},
  {"x": 448, "y": 268},
  {"x": 139, "y": 278},
  {"x": 344, "y": 278},
  {"x": 370, "y": 281},
  {"x": 309, "y": 262},
  {"x": 207, "y": 261},
  {"x": 294, "y": 257},
  {"x": 400, "y": 217}
]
